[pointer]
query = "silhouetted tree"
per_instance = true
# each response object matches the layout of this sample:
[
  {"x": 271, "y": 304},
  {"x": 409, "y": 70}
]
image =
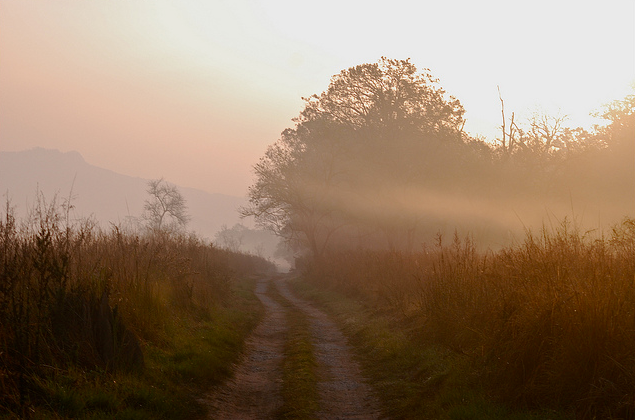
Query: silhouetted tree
[
  {"x": 376, "y": 126},
  {"x": 620, "y": 133},
  {"x": 616, "y": 162},
  {"x": 165, "y": 209}
]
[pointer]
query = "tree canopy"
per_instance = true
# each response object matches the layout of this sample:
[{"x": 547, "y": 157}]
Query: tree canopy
[
  {"x": 376, "y": 125},
  {"x": 380, "y": 159}
]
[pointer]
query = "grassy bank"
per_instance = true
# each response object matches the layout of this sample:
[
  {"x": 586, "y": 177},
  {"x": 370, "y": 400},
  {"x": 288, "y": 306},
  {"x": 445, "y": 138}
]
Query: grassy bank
[
  {"x": 544, "y": 326},
  {"x": 196, "y": 356},
  {"x": 116, "y": 323}
]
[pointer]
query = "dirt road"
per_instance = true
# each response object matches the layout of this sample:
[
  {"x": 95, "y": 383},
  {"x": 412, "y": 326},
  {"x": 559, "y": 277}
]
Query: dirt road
[{"x": 254, "y": 390}]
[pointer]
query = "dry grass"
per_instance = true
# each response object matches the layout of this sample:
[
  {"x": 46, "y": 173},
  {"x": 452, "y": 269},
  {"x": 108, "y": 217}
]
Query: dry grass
[
  {"x": 550, "y": 321},
  {"x": 55, "y": 273}
]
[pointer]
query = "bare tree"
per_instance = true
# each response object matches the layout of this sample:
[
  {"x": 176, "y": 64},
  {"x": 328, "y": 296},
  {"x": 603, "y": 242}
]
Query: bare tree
[
  {"x": 165, "y": 209},
  {"x": 547, "y": 132},
  {"x": 512, "y": 136}
]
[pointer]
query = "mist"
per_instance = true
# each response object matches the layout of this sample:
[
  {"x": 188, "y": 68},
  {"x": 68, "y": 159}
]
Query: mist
[{"x": 379, "y": 160}]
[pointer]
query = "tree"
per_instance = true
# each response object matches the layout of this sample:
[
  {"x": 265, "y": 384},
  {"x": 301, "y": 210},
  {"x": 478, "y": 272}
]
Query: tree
[
  {"x": 165, "y": 209},
  {"x": 376, "y": 126},
  {"x": 617, "y": 161},
  {"x": 620, "y": 133},
  {"x": 231, "y": 238}
]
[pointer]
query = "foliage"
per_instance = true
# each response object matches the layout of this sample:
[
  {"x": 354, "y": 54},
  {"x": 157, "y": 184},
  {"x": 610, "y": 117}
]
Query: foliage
[
  {"x": 379, "y": 160},
  {"x": 369, "y": 131},
  {"x": 545, "y": 156}
]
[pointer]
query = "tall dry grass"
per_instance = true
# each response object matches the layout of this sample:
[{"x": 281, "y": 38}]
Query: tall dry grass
[
  {"x": 57, "y": 275},
  {"x": 550, "y": 321}
]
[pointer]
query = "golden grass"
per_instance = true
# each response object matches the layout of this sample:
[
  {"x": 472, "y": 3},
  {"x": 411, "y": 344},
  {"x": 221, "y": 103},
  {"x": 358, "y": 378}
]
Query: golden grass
[
  {"x": 54, "y": 274},
  {"x": 549, "y": 322}
]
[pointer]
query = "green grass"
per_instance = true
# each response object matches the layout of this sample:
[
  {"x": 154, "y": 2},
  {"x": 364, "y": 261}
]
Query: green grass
[
  {"x": 299, "y": 370},
  {"x": 413, "y": 379},
  {"x": 197, "y": 355}
]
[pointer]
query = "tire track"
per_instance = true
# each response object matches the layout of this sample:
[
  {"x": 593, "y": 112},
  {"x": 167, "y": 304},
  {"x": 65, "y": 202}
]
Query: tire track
[{"x": 254, "y": 390}]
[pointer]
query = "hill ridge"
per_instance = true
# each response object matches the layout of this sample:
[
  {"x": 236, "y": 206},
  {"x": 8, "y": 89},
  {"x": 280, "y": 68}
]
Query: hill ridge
[{"x": 110, "y": 197}]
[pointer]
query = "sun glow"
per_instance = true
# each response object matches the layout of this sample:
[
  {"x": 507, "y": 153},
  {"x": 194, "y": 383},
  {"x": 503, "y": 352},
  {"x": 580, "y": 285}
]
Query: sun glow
[{"x": 232, "y": 74}]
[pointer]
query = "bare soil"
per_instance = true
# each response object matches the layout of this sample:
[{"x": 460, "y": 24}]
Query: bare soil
[{"x": 254, "y": 390}]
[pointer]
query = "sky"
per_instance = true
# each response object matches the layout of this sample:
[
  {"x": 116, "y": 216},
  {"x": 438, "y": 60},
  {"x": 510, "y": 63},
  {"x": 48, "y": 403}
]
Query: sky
[{"x": 195, "y": 90}]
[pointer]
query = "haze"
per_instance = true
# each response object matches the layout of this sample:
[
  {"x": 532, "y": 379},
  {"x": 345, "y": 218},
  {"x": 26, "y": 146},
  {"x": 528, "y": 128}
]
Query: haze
[{"x": 194, "y": 90}]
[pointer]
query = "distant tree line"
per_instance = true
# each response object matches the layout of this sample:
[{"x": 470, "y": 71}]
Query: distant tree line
[{"x": 381, "y": 160}]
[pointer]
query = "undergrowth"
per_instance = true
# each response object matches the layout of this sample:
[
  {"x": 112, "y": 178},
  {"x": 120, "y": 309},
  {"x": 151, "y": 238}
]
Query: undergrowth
[
  {"x": 114, "y": 323},
  {"x": 546, "y": 324}
]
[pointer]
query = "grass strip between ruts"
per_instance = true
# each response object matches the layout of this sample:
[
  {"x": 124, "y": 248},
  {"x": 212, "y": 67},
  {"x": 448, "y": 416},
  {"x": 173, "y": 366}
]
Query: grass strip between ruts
[{"x": 299, "y": 370}]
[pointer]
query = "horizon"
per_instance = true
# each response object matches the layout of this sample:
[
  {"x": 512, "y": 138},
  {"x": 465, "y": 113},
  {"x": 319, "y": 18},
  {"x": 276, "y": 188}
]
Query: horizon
[
  {"x": 70, "y": 153},
  {"x": 196, "y": 92}
]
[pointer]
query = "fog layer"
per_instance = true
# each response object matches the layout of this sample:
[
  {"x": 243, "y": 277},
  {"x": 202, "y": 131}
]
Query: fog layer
[{"x": 380, "y": 159}]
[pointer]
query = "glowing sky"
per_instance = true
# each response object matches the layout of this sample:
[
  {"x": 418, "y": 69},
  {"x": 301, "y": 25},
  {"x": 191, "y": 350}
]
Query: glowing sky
[{"x": 195, "y": 90}]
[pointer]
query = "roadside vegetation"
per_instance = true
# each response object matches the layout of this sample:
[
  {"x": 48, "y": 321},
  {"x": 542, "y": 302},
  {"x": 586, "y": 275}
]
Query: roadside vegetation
[
  {"x": 116, "y": 323},
  {"x": 542, "y": 329}
]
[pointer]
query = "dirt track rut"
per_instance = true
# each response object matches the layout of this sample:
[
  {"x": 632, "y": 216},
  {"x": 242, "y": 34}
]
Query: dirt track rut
[{"x": 254, "y": 390}]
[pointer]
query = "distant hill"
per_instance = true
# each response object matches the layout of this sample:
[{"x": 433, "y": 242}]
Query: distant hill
[{"x": 107, "y": 195}]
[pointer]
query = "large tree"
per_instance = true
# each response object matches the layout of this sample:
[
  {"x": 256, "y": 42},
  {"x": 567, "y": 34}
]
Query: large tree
[{"x": 376, "y": 130}]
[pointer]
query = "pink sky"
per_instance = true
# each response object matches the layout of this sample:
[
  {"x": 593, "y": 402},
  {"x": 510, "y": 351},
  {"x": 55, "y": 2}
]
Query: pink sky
[{"x": 195, "y": 90}]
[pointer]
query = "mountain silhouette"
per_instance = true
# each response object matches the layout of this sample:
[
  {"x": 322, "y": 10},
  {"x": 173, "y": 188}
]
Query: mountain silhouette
[{"x": 107, "y": 196}]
